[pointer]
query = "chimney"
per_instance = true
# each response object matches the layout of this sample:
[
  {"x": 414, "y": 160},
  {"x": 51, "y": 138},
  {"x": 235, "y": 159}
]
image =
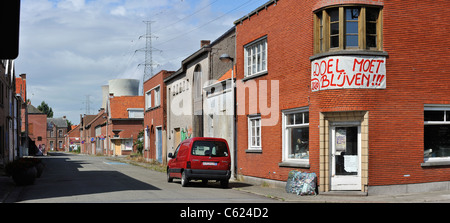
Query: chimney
[
  {"x": 204, "y": 43},
  {"x": 23, "y": 76}
]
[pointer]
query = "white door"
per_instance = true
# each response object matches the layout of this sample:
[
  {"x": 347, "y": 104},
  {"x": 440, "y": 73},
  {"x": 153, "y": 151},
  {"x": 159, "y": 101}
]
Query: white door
[{"x": 345, "y": 139}]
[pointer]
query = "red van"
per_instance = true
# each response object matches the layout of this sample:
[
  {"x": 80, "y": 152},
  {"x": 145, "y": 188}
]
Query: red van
[{"x": 200, "y": 159}]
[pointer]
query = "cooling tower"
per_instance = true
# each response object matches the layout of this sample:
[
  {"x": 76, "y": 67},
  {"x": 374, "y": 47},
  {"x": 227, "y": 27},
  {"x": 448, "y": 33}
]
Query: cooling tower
[
  {"x": 124, "y": 87},
  {"x": 105, "y": 94}
]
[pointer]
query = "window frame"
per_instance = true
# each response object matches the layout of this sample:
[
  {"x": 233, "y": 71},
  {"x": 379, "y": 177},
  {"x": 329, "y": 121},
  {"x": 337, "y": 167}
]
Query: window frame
[
  {"x": 263, "y": 59},
  {"x": 433, "y": 161},
  {"x": 148, "y": 99},
  {"x": 286, "y": 143},
  {"x": 252, "y": 147},
  {"x": 322, "y": 29},
  {"x": 157, "y": 95}
]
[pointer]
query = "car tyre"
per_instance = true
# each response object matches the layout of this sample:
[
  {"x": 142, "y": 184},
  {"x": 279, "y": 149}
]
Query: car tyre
[
  {"x": 169, "y": 179},
  {"x": 184, "y": 179},
  {"x": 224, "y": 183}
]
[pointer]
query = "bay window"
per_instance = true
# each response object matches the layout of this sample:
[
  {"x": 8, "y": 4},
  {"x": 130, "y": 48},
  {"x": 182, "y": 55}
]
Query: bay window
[{"x": 348, "y": 28}]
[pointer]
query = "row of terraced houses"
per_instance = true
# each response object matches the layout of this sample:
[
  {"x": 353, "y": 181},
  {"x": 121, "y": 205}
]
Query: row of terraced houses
[{"x": 356, "y": 91}]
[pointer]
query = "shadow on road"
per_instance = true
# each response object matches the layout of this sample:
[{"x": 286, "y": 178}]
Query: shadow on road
[{"x": 63, "y": 176}]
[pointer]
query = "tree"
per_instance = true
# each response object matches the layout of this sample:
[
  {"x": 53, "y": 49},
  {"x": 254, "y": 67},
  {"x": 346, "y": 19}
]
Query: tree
[{"x": 46, "y": 109}]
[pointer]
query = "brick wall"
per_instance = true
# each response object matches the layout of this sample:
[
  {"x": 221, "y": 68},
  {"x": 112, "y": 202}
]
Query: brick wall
[
  {"x": 416, "y": 40},
  {"x": 156, "y": 116}
]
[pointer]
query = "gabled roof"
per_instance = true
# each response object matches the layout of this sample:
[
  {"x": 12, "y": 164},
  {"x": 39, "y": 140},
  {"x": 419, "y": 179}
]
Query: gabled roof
[
  {"x": 120, "y": 105},
  {"x": 59, "y": 122},
  {"x": 33, "y": 110},
  {"x": 99, "y": 115}
]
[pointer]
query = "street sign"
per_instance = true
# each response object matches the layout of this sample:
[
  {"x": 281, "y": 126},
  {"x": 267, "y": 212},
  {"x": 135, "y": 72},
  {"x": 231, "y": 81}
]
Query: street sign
[{"x": 9, "y": 24}]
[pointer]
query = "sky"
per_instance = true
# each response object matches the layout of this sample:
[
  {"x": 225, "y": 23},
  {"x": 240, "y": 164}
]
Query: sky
[{"x": 70, "y": 48}]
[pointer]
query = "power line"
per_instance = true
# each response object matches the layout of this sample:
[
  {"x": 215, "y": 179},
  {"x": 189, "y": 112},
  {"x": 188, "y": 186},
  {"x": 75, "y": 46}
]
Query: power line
[
  {"x": 190, "y": 15},
  {"x": 184, "y": 34}
]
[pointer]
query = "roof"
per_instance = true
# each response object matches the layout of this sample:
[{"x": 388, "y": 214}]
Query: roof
[
  {"x": 21, "y": 87},
  {"x": 196, "y": 54},
  {"x": 100, "y": 114},
  {"x": 119, "y": 105},
  {"x": 227, "y": 75},
  {"x": 59, "y": 122},
  {"x": 33, "y": 110}
]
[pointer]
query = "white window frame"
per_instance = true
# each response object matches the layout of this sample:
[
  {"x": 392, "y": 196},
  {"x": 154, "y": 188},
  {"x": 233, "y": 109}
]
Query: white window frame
[
  {"x": 135, "y": 113},
  {"x": 252, "y": 49},
  {"x": 251, "y": 119},
  {"x": 446, "y": 109},
  {"x": 148, "y": 99},
  {"x": 286, "y": 135},
  {"x": 157, "y": 95}
]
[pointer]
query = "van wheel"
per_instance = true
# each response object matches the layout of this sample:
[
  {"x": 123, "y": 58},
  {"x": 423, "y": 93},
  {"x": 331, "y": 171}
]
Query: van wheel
[
  {"x": 184, "y": 179},
  {"x": 169, "y": 179}
]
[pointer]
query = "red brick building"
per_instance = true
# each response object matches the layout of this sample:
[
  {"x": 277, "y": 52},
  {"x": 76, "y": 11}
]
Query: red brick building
[
  {"x": 356, "y": 91},
  {"x": 126, "y": 119},
  {"x": 155, "y": 116},
  {"x": 37, "y": 128}
]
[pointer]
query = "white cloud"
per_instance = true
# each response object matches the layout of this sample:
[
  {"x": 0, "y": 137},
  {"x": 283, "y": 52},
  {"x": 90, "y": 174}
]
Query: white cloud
[
  {"x": 120, "y": 11},
  {"x": 75, "y": 5},
  {"x": 70, "y": 48}
]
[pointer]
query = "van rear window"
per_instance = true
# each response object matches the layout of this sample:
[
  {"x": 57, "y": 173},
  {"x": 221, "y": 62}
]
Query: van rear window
[{"x": 209, "y": 148}]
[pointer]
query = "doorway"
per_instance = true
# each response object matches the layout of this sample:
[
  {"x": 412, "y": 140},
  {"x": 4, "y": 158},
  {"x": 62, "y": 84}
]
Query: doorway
[
  {"x": 158, "y": 144},
  {"x": 345, "y": 154}
]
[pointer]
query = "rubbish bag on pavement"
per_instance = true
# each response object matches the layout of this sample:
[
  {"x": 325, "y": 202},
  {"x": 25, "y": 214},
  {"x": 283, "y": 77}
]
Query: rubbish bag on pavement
[{"x": 301, "y": 183}]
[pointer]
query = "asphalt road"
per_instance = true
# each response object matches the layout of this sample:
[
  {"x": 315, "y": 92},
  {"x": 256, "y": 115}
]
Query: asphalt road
[{"x": 70, "y": 178}]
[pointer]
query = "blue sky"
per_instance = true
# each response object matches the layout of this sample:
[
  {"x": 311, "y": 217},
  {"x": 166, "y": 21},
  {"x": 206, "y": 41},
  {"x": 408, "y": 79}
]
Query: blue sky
[{"x": 70, "y": 48}]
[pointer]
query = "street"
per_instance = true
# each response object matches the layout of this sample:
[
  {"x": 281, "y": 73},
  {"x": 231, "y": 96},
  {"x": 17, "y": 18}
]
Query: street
[{"x": 70, "y": 178}]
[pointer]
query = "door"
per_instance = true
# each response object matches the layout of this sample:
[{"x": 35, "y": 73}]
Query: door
[
  {"x": 345, "y": 156},
  {"x": 177, "y": 137},
  {"x": 158, "y": 144},
  {"x": 118, "y": 147}
]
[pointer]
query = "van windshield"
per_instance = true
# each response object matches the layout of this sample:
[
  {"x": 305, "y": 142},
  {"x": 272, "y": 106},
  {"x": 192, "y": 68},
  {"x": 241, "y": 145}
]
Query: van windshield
[{"x": 209, "y": 148}]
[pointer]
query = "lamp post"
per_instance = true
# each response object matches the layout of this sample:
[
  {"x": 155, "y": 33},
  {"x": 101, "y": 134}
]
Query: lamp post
[{"x": 226, "y": 59}]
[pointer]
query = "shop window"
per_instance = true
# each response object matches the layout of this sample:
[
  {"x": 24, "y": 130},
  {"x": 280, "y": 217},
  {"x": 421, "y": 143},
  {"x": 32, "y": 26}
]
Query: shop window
[
  {"x": 348, "y": 28},
  {"x": 296, "y": 135},
  {"x": 254, "y": 132},
  {"x": 437, "y": 133},
  {"x": 256, "y": 57}
]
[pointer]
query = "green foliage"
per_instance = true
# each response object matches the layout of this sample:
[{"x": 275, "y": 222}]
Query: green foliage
[{"x": 46, "y": 109}]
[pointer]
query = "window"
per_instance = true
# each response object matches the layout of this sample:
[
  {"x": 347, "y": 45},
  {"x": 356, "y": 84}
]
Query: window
[
  {"x": 60, "y": 133},
  {"x": 135, "y": 113},
  {"x": 437, "y": 133},
  {"x": 256, "y": 57},
  {"x": 198, "y": 82},
  {"x": 157, "y": 97},
  {"x": 60, "y": 144},
  {"x": 209, "y": 148},
  {"x": 348, "y": 28},
  {"x": 254, "y": 132},
  {"x": 148, "y": 99},
  {"x": 296, "y": 135}
]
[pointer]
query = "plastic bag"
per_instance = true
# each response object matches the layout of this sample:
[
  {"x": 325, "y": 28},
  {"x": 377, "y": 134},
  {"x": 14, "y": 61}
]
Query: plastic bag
[{"x": 301, "y": 183}]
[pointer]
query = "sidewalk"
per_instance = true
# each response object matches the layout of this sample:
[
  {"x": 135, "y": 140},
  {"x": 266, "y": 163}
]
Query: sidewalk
[{"x": 349, "y": 197}]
